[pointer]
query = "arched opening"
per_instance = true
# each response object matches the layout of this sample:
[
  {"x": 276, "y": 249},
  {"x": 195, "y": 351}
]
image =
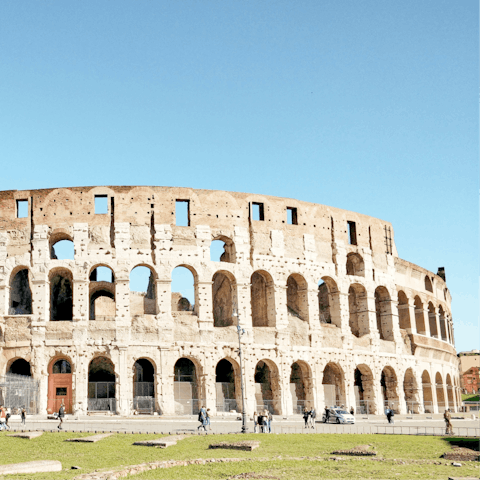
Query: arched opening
[
  {"x": 419, "y": 316},
  {"x": 102, "y": 294},
  {"x": 297, "y": 296},
  {"x": 20, "y": 294},
  {"x": 440, "y": 394},
  {"x": 364, "y": 390},
  {"x": 222, "y": 249},
  {"x": 143, "y": 386},
  {"x": 183, "y": 289},
  {"x": 62, "y": 250},
  {"x": 186, "y": 388},
  {"x": 20, "y": 367},
  {"x": 142, "y": 292},
  {"x": 267, "y": 388},
  {"x": 358, "y": 310},
  {"x": 451, "y": 403},
  {"x": 301, "y": 387},
  {"x": 61, "y": 295},
  {"x": 225, "y": 380},
  {"x": 443, "y": 328},
  {"x": 403, "y": 311},
  {"x": 224, "y": 297},
  {"x": 410, "y": 390},
  {"x": 101, "y": 385},
  {"x": 324, "y": 304},
  {"x": 355, "y": 265},
  {"x": 383, "y": 310},
  {"x": 262, "y": 300},
  {"x": 59, "y": 385},
  {"x": 333, "y": 385},
  {"x": 432, "y": 320},
  {"x": 427, "y": 392},
  {"x": 388, "y": 383},
  {"x": 428, "y": 284}
]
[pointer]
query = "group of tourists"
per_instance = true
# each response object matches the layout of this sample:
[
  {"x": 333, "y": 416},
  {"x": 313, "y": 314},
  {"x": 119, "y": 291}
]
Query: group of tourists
[
  {"x": 309, "y": 417},
  {"x": 262, "y": 422},
  {"x": 204, "y": 419}
]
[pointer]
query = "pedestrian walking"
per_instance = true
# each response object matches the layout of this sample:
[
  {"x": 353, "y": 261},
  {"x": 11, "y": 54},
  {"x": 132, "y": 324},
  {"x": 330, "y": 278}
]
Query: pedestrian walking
[
  {"x": 266, "y": 421},
  {"x": 270, "y": 420},
  {"x": 208, "y": 419},
  {"x": 260, "y": 423},
  {"x": 448, "y": 422},
  {"x": 392, "y": 414},
  {"x": 7, "y": 417},
  {"x": 313, "y": 415},
  {"x": 387, "y": 414},
  {"x": 327, "y": 414},
  {"x": 3, "y": 414},
  {"x": 306, "y": 414},
  {"x": 61, "y": 414},
  {"x": 23, "y": 416},
  {"x": 352, "y": 411},
  {"x": 255, "y": 422},
  {"x": 202, "y": 418}
]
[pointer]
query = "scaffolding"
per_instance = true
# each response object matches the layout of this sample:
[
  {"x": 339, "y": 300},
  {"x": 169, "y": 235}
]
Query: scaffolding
[{"x": 19, "y": 391}]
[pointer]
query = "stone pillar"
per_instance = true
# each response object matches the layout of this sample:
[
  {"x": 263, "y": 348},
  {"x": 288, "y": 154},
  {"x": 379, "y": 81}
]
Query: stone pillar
[
  {"x": 311, "y": 294},
  {"x": 4, "y": 299},
  {"x": 122, "y": 300},
  {"x": 41, "y": 298},
  {"x": 369, "y": 317},
  {"x": 433, "y": 386},
  {"x": 411, "y": 311},
  {"x": 281, "y": 306},
  {"x": 122, "y": 382},
  {"x": 204, "y": 310},
  {"x": 249, "y": 363},
  {"x": 424, "y": 313},
  {"x": 350, "y": 389},
  {"x": 244, "y": 304},
  {"x": 165, "y": 378},
  {"x": 39, "y": 371},
  {"x": 437, "y": 321},
  {"x": 80, "y": 382},
  {"x": 81, "y": 300}
]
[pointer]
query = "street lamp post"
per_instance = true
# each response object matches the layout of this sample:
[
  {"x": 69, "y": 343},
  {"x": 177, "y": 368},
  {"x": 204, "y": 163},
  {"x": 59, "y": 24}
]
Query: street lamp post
[{"x": 241, "y": 332}]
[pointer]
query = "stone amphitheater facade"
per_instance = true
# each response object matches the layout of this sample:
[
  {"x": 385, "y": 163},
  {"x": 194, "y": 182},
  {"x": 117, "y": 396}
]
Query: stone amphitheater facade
[{"x": 329, "y": 314}]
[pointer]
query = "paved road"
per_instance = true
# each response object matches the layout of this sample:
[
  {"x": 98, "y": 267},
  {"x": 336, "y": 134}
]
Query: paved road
[{"x": 418, "y": 424}]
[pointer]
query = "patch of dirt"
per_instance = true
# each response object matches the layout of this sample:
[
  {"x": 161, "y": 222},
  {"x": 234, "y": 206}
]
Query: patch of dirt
[{"x": 252, "y": 475}]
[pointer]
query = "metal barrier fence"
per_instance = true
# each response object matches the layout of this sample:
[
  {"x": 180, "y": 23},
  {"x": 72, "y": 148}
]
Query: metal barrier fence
[
  {"x": 102, "y": 405},
  {"x": 143, "y": 389},
  {"x": 19, "y": 391},
  {"x": 265, "y": 405},
  {"x": 144, "y": 404},
  {"x": 54, "y": 404},
  {"x": 187, "y": 406},
  {"x": 226, "y": 405},
  {"x": 299, "y": 406}
]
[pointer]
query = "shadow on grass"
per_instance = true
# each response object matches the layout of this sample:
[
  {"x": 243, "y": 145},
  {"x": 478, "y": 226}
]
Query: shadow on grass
[{"x": 471, "y": 443}]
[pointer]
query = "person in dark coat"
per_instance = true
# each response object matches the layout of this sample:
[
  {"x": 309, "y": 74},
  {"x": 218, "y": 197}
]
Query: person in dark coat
[
  {"x": 61, "y": 414},
  {"x": 306, "y": 415}
]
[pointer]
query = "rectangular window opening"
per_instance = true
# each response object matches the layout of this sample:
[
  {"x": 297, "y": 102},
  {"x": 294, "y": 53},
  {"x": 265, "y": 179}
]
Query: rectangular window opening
[
  {"x": 352, "y": 233},
  {"x": 101, "y": 204},
  {"x": 182, "y": 213},
  {"x": 258, "y": 211},
  {"x": 22, "y": 208},
  {"x": 292, "y": 216},
  {"x": 61, "y": 391}
]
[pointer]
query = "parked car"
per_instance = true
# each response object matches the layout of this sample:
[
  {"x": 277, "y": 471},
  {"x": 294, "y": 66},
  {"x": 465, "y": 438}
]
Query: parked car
[{"x": 337, "y": 415}]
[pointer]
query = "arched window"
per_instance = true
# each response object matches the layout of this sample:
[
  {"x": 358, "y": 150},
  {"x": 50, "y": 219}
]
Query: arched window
[
  {"x": 20, "y": 294},
  {"x": 102, "y": 294},
  {"x": 143, "y": 386},
  {"x": 333, "y": 385},
  {"x": 357, "y": 304},
  {"x": 364, "y": 390},
  {"x": 226, "y": 388},
  {"x": 61, "y": 366},
  {"x": 355, "y": 265},
  {"x": 142, "y": 292},
  {"x": 183, "y": 289},
  {"x": 403, "y": 311},
  {"x": 262, "y": 300},
  {"x": 419, "y": 316},
  {"x": 101, "y": 385},
  {"x": 187, "y": 393},
  {"x": 297, "y": 296},
  {"x": 432, "y": 320},
  {"x": 267, "y": 388},
  {"x": 20, "y": 367},
  {"x": 383, "y": 309},
  {"x": 62, "y": 250},
  {"x": 61, "y": 294},
  {"x": 224, "y": 295},
  {"x": 428, "y": 284},
  {"x": 222, "y": 249}
]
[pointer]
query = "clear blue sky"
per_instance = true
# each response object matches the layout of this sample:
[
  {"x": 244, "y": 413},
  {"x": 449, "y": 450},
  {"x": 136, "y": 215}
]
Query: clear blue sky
[{"x": 370, "y": 106}]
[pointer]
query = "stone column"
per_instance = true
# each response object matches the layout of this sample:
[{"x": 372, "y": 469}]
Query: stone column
[
  {"x": 165, "y": 386},
  {"x": 41, "y": 298},
  {"x": 369, "y": 318},
  {"x": 424, "y": 313},
  {"x": 204, "y": 310},
  {"x": 80, "y": 382},
  {"x": 281, "y": 306},
  {"x": 122, "y": 382},
  {"x": 433, "y": 386},
  {"x": 122, "y": 300},
  {"x": 4, "y": 297}
]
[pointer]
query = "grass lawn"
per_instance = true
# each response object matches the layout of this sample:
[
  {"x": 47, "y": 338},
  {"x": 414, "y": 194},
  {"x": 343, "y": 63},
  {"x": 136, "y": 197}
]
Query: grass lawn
[
  {"x": 470, "y": 397},
  {"x": 285, "y": 457}
]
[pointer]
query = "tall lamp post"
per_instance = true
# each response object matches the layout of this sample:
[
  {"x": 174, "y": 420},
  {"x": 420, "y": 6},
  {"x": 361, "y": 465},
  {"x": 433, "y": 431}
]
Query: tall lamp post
[{"x": 241, "y": 332}]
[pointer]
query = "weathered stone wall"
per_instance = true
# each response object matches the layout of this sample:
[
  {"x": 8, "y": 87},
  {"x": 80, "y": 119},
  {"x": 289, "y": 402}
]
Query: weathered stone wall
[{"x": 270, "y": 273}]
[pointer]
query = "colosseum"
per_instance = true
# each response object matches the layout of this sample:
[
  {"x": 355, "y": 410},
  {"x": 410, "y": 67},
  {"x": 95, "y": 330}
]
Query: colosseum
[{"x": 325, "y": 310}]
